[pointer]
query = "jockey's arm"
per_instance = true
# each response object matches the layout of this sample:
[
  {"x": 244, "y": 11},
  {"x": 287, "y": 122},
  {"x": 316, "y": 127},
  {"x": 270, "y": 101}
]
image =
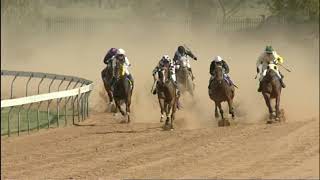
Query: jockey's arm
[
  {"x": 212, "y": 67},
  {"x": 106, "y": 58},
  {"x": 189, "y": 53},
  {"x": 277, "y": 58},
  {"x": 126, "y": 61},
  {"x": 225, "y": 66}
]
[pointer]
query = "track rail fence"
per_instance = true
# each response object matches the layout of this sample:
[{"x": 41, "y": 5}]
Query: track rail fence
[{"x": 72, "y": 100}]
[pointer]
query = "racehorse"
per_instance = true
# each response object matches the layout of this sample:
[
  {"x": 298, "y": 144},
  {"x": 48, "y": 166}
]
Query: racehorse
[
  {"x": 123, "y": 88},
  {"x": 167, "y": 96},
  {"x": 106, "y": 75},
  {"x": 271, "y": 89},
  {"x": 184, "y": 78},
  {"x": 219, "y": 91}
]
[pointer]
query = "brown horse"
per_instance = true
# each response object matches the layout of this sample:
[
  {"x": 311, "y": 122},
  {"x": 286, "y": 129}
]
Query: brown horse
[
  {"x": 123, "y": 88},
  {"x": 271, "y": 89},
  {"x": 106, "y": 75},
  {"x": 220, "y": 91},
  {"x": 167, "y": 96}
]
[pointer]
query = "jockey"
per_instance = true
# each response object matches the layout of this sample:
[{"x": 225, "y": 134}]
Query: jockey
[
  {"x": 108, "y": 58},
  {"x": 270, "y": 56},
  {"x": 182, "y": 54},
  {"x": 219, "y": 61},
  {"x": 166, "y": 59},
  {"x": 121, "y": 56}
]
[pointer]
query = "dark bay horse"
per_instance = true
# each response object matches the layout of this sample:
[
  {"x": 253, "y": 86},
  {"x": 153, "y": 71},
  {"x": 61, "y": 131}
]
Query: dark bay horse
[
  {"x": 271, "y": 89},
  {"x": 106, "y": 75},
  {"x": 184, "y": 78},
  {"x": 167, "y": 96},
  {"x": 123, "y": 88},
  {"x": 219, "y": 91}
]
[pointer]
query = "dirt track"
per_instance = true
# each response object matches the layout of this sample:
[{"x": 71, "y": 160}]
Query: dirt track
[{"x": 100, "y": 147}]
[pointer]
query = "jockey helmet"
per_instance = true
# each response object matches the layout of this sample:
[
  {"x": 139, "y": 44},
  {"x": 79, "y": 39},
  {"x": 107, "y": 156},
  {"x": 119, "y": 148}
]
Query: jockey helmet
[
  {"x": 217, "y": 59},
  {"x": 269, "y": 49},
  {"x": 181, "y": 50},
  {"x": 113, "y": 50},
  {"x": 166, "y": 58},
  {"x": 121, "y": 52}
]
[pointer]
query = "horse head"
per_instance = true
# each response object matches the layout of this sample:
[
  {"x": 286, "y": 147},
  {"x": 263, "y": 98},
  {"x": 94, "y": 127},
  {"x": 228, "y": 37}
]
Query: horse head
[
  {"x": 164, "y": 73},
  {"x": 119, "y": 69},
  {"x": 218, "y": 71}
]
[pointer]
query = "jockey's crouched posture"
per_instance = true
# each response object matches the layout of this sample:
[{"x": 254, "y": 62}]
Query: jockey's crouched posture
[
  {"x": 163, "y": 61},
  {"x": 269, "y": 56},
  {"x": 121, "y": 57},
  {"x": 182, "y": 54},
  {"x": 219, "y": 61}
]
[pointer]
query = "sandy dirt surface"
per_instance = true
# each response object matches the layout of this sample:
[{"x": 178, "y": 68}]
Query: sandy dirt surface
[{"x": 100, "y": 147}]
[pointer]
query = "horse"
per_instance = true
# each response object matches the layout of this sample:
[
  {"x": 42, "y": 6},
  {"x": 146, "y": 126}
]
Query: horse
[
  {"x": 167, "y": 96},
  {"x": 123, "y": 89},
  {"x": 106, "y": 75},
  {"x": 184, "y": 78},
  {"x": 219, "y": 91},
  {"x": 271, "y": 89}
]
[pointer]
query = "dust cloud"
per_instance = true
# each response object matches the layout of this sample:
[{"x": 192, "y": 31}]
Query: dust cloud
[{"x": 81, "y": 54}]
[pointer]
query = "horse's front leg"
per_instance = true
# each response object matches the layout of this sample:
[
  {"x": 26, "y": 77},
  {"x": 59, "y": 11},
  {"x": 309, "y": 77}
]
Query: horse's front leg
[
  {"x": 231, "y": 110},
  {"x": 119, "y": 107},
  {"x": 216, "y": 113},
  {"x": 220, "y": 109},
  {"x": 162, "y": 110},
  {"x": 128, "y": 103},
  {"x": 268, "y": 103}
]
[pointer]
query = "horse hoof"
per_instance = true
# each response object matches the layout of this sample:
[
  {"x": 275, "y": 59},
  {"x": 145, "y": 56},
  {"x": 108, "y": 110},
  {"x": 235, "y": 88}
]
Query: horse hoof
[{"x": 269, "y": 122}]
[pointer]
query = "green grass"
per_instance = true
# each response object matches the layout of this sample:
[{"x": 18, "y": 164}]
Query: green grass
[{"x": 43, "y": 120}]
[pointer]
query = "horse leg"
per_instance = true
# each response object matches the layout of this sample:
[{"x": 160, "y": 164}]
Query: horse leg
[
  {"x": 174, "y": 108},
  {"x": 128, "y": 103},
  {"x": 268, "y": 103},
  {"x": 231, "y": 110},
  {"x": 216, "y": 113},
  {"x": 220, "y": 109},
  {"x": 161, "y": 103},
  {"x": 119, "y": 107},
  {"x": 278, "y": 107},
  {"x": 167, "y": 113}
]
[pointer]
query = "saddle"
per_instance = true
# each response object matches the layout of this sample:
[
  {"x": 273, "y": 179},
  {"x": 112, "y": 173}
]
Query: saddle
[{"x": 226, "y": 78}]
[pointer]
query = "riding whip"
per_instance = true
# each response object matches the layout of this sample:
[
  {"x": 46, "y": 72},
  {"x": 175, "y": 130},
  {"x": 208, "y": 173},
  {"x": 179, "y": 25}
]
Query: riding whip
[{"x": 285, "y": 68}]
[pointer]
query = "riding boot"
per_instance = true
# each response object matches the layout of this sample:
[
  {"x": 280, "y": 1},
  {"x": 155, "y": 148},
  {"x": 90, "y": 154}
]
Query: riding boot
[
  {"x": 260, "y": 88},
  {"x": 281, "y": 80},
  {"x": 130, "y": 78},
  {"x": 192, "y": 77}
]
